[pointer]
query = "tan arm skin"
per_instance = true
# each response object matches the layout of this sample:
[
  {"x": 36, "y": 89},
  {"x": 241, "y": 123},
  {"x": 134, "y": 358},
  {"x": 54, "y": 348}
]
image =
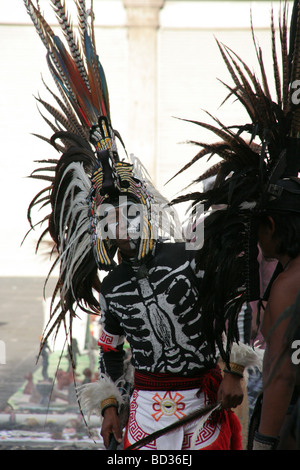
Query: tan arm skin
[
  {"x": 278, "y": 376},
  {"x": 111, "y": 425},
  {"x": 230, "y": 393}
]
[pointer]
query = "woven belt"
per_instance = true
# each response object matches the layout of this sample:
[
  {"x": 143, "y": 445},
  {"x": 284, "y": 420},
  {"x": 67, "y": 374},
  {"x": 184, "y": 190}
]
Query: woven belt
[{"x": 152, "y": 381}]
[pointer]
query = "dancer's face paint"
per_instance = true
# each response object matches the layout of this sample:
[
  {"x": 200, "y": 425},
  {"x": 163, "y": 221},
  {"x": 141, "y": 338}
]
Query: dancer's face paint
[{"x": 122, "y": 224}]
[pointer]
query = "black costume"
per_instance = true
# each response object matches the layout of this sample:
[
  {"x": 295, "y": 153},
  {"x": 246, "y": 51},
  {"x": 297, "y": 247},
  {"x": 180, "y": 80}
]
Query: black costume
[{"x": 157, "y": 312}]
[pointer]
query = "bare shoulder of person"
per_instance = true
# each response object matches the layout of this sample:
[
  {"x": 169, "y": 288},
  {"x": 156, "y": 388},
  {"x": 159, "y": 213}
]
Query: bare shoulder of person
[{"x": 283, "y": 294}]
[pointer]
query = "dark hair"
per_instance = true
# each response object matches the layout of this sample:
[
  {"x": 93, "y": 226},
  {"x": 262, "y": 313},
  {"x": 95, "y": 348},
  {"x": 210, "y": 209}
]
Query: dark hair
[{"x": 287, "y": 230}]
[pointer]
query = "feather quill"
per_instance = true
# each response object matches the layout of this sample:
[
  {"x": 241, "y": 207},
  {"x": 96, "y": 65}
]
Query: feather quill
[{"x": 246, "y": 168}]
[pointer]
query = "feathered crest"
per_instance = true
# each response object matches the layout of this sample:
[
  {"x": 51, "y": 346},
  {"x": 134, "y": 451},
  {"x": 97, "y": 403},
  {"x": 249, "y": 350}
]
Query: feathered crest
[
  {"x": 77, "y": 70},
  {"x": 246, "y": 176},
  {"x": 82, "y": 100},
  {"x": 83, "y": 177}
]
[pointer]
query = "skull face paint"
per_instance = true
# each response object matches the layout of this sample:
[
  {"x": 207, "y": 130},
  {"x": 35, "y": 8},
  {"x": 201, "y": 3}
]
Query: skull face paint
[{"x": 121, "y": 223}]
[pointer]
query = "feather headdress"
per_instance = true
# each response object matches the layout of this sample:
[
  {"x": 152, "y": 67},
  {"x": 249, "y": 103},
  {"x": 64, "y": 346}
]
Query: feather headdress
[
  {"x": 89, "y": 173},
  {"x": 258, "y": 169}
]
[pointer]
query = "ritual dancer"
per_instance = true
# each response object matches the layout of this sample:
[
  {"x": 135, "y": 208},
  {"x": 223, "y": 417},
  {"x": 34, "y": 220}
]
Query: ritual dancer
[
  {"x": 257, "y": 186},
  {"x": 154, "y": 306},
  {"x": 99, "y": 206}
]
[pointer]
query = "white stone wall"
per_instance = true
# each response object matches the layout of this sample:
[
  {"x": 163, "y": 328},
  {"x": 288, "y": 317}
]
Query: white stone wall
[{"x": 180, "y": 81}]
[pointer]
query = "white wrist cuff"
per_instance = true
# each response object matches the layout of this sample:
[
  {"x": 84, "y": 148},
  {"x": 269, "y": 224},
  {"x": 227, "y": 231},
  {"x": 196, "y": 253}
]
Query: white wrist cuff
[
  {"x": 93, "y": 394},
  {"x": 246, "y": 355}
]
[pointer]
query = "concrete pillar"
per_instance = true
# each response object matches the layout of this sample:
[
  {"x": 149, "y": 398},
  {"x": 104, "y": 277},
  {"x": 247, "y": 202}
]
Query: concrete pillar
[{"x": 142, "y": 24}]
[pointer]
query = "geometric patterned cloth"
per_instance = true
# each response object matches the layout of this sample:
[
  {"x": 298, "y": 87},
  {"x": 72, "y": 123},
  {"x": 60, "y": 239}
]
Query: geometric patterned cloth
[{"x": 153, "y": 410}]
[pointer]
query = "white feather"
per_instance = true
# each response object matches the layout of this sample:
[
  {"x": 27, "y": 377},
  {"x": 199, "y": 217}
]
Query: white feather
[
  {"x": 91, "y": 395},
  {"x": 163, "y": 216},
  {"x": 201, "y": 423},
  {"x": 246, "y": 355},
  {"x": 76, "y": 244}
]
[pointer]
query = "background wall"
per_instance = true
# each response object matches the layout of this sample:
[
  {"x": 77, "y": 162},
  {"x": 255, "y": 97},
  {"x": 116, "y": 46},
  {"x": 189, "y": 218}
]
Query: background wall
[{"x": 179, "y": 81}]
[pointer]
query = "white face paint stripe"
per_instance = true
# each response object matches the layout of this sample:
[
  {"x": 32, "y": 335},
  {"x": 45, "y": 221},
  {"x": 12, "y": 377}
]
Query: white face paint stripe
[{"x": 126, "y": 217}]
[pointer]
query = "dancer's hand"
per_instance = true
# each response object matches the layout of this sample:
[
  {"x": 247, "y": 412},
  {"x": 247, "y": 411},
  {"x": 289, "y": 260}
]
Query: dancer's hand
[
  {"x": 230, "y": 393},
  {"x": 111, "y": 425}
]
